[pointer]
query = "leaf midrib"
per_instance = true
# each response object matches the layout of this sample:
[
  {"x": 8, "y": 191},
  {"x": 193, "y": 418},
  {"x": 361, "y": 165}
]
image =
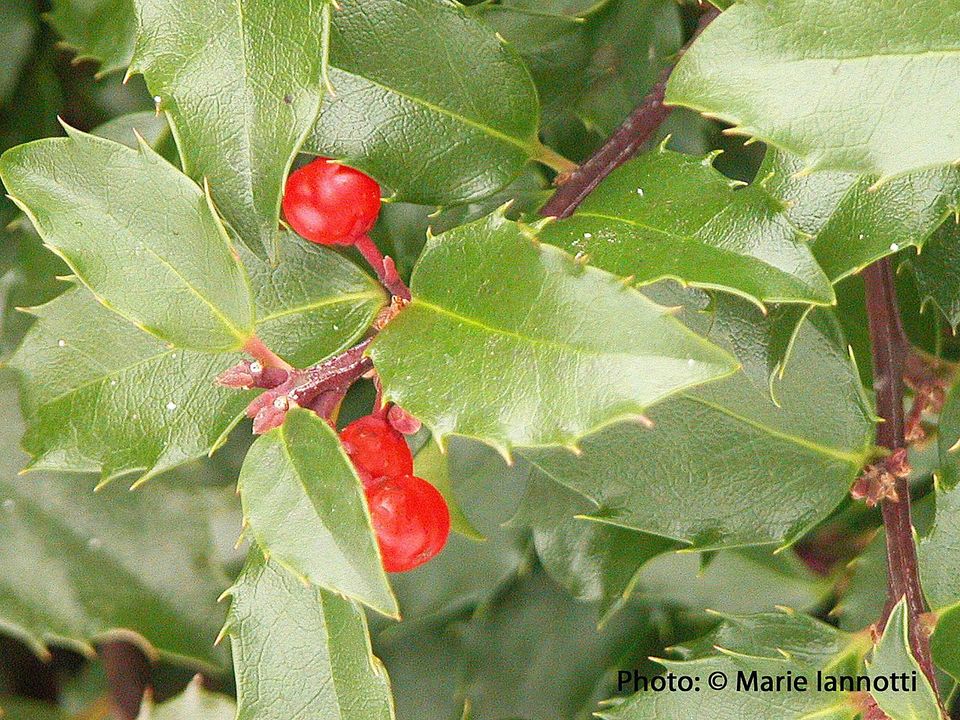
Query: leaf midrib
[
  {"x": 553, "y": 344},
  {"x": 856, "y": 459}
]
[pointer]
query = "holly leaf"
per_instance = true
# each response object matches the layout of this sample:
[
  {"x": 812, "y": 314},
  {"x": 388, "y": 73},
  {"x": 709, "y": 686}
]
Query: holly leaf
[
  {"x": 669, "y": 215},
  {"x": 515, "y": 343},
  {"x": 939, "y": 567},
  {"x": 132, "y": 228},
  {"x": 815, "y": 440},
  {"x": 85, "y": 567},
  {"x": 937, "y": 270},
  {"x": 457, "y": 133},
  {"x": 753, "y": 647},
  {"x": 304, "y": 505},
  {"x": 18, "y": 27},
  {"x": 593, "y": 561},
  {"x": 241, "y": 83},
  {"x": 852, "y": 221},
  {"x": 893, "y": 656},
  {"x": 102, "y": 396},
  {"x": 431, "y": 465},
  {"x": 101, "y": 30},
  {"x": 882, "y": 91},
  {"x": 194, "y": 703},
  {"x": 273, "y": 612},
  {"x": 948, "y": 439}
]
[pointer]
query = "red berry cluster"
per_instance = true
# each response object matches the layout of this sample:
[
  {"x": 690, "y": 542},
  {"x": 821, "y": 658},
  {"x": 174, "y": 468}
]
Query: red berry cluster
[
  {"x": 410, "y": 517},
  {"x": 331, "y": 204}
]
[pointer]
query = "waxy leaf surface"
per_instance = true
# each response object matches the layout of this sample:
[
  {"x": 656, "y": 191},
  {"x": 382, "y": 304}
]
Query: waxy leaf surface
[
  {"x": 515, "y": 343},
  {"x": 301, "y": 653},
  {"x": 138, "y": 233},
  {"x": 101, "y": 30},
  {"x": 305, "y": 507},
  {"x": 429, "y": 101},
  {"x": 102, "y": 396},
  {"x": 83, "y": 566},
  {"x": 669, "y": 215},
  {"x": 853, "y": 223},
  {"x": 872, "y": 89},
  {"x": 723, "y": 465},
  {"x": 241, "y": 82},
  {"x": 893, "y": 655}
]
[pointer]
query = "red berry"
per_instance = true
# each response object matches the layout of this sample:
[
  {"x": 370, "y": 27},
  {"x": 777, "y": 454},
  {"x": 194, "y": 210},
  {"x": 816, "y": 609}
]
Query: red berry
[
  {"x": 376, "y": 449},
  {"x": 411, "y": 521},
  {"x": 328, "y": 203}
]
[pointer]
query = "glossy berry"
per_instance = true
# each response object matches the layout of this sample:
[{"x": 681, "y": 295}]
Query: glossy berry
[
  {"x": 411, "y": 521},
  {"x": 376, "y": 449},
  {"x": 328, "y": 203}
]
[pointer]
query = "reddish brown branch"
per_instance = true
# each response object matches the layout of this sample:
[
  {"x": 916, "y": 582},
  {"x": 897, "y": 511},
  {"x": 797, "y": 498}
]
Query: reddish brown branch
[
  {"x": 624, "y": 143},
  {"x": 890, "y": 352},
  {"x": 128, "y": 675}
]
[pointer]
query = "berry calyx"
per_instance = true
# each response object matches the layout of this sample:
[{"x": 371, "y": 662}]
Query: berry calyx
[
  {"x": 410, "y": 519},
  {"x": 331, "y": 204},
  {"x": 376, "y": 449}
]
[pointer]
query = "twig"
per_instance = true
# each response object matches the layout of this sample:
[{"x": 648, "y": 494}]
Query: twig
[
  {"x": 320, "y": 387},
  {"x": 128, "y": 674},
  {"x": 889, "y": 356},
  {"x": 624, "y": 143}
]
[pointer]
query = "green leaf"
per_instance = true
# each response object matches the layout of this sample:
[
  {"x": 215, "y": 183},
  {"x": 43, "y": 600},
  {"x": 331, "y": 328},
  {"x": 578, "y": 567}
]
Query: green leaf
[
  {"x": 313, "y": 302},
  {"x": 85, "y": 566},
  {"x": 668, "y": 215},
  {"x": 305, "y": 507},
  {"x": 101, "y": 30},
  {"x": 939, "y": 568},
  {"x": 241, "y": 82},
  {"x": 593, "y": 561},
  {"x": 454, "y": 133},
  {"x": 151, "y": 127},
  {"x": 779, "y": 635},
  {"x": 431, "y": 465},
  {"x": 515, "y": 343},
  {"x": 335, "y": 674},
  {"x": 18, "y": 26},
  {"x": 937, "y": 269},
  {"x": 948, "y": 437},
  {"x": 535, "y": 652},
  {"x": 815, "y": 440},
  {"x": 844, "y": 88},
  {"x": 748, "y": 645},
  {"x": 938, "y": 552},
  {"x": 593, "y": 61},
  {"x": 18, "y": 708},
  {"x": 714, "y": 582},
  {"x": 854, "y": 223},
  {"x": 101, "y": 395},
  {"x": 194, "y": 703},
  {"x": 893, "y": 655},
  {"x": 139, "y": 234}
]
